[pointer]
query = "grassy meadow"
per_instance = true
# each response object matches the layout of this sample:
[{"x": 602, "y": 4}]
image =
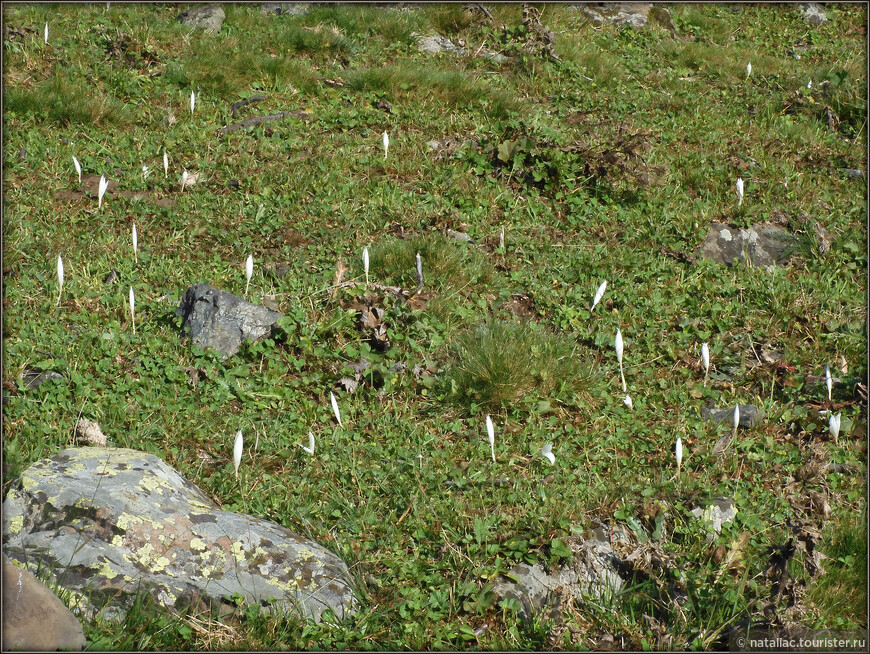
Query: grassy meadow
[{"x": 608, "y": 161}]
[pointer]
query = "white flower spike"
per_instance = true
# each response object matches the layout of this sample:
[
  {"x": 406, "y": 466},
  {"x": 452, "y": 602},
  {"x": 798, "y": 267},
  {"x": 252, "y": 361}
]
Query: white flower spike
[
  {"x": 46, "y": 34},
  {"x": 829, "y": 382},
  {"x": 598, "y": 295},
  {"x": 834, "y": 425},
  {"x": 810, "y": 84},
  {"x": 366, "y": 264},
  {"x": 165, "y": 164},
  {"x": 335, "y": 408},
  {"x": 705, "y": 356},
  {"x": 749, "y": 69},
  {"x": 192, "y": 101},
  {"x": 249, "y": 271},
  {"x": 183, "y": 180},
  {"x": 490, "y": 434},
  {"x": 739, "y": 186},
  {"x": 736, "y": 420},
  {"x": 419, "y": 273},
  {"x": 310, "y": 448},
  {"x": 59, "y": 278},
  {"x": 618, "y": 345},
  {"x": 386, "y": 144},
  {"x": 135, "y": 242},
  {"x": 78, "y": 168},
  {"x": 501, "y": 239},
  {"x": 547, "y": 453},
  {"x": 133, "y": 309},
  {"x": 628, "y": 402},
  {"x": 238, "y": 447},
  {"x": 679, "y": 453},
  {"x": 101, "y": 191}
]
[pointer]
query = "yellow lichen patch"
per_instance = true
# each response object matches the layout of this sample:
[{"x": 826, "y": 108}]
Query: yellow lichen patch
[
  {"x": 126, "y": 521},
  {"x": 160, "y": 564},
  {"x": 153, "y": 484},
  {"x": 117, "y": 541},
  {"x": 105, "y": 570},
  {"x": 16, "y": 523},
  {"x": 238, "y": 551},
  {"x": 197, "y": 544},
  {"x": 287, "y": 586}
]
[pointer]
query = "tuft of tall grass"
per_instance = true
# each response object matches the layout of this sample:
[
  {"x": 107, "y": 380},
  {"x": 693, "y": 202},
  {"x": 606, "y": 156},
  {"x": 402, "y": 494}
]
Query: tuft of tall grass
[
  {"x": 502, "y": 364},
  {"x": 65, "y": 100},
  {"x": 451, "y": 87},
  {"x": 447, "y": 263}
]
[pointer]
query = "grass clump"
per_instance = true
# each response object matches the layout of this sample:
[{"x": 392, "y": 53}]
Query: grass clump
[
  {"x": 447, "y": 264},
  {"x": 63, "y": 100},
  {"x": 504, "y": 364}
]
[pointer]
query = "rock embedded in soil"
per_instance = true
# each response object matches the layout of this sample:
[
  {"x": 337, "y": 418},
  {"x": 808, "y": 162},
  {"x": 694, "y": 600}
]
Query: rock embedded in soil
[
  {"x": 34, "y": 619},
  {"x": 285, "y": 8},
  {"x": 111, "y": 523},
  {"x": 220, "y": 320},
  {"x": 813, "y": 13},
  {"x": 750, "y": 416},
  {"x": 762, "y": 245},
  {"x": 210, "y": 18},
  {"x": 593, "y": 570}
]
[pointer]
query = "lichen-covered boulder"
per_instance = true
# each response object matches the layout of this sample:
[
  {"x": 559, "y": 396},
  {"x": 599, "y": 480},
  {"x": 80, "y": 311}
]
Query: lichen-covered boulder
[
  {"x": 220, "y": 320},
  {"x": 110, "y": 523}
]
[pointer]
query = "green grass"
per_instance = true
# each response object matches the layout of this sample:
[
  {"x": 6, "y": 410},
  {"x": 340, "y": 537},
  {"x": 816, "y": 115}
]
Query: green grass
[{"x": 607, "y": 164}]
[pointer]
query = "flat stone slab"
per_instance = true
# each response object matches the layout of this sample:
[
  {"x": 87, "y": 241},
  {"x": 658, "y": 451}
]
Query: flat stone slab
[
  {"x": 34, "y": 619},
  {"x": 110, "y": 523},
  {"x": 762, "y": 245},
  {"x": 220, "y": 320}
]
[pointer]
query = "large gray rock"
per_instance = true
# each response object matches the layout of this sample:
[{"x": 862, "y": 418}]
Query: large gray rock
[
  {"x": 221, "y": 320},
  {"x": 763, "y": 245},
  {"x": 110, "y": 523},
  {"x": 591, "y": 572},
  {"x": 210, "y": 18},
  {"x": 34, "y": 619}
]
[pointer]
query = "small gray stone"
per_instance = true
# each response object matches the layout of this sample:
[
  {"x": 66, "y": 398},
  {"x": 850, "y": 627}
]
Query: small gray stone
[
  {"x": 285, "y": 8},
  {"x": 88, "y": 432},
  {"x": 221, "y": 320},
  {"x": 459, "y": 236},
  {"x": 591, "y": 571},
  {"x": 763, "y": 245},
  {"x": 34, "y": 619},
  {"x": 434, "y": 44},
  {"x": 210, "y": 18},
  {"x": 750, "y": 416},
  {"x": 634, "y": 14},
  {"x": 36, "y": 378},
  {"x": 813, "y": 14}
]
